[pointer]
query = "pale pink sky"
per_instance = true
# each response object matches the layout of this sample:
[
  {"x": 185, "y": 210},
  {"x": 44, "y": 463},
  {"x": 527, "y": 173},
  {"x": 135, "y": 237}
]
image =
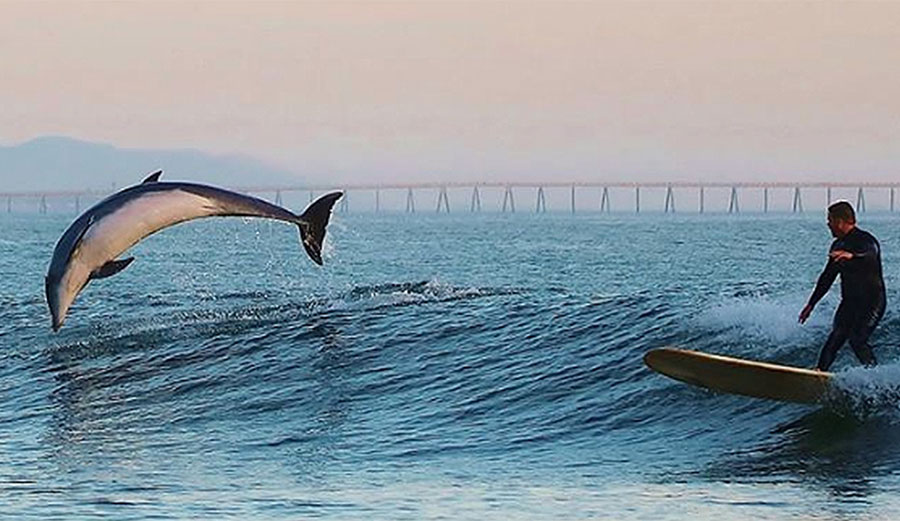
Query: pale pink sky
[{"x": 470, "y": 90}]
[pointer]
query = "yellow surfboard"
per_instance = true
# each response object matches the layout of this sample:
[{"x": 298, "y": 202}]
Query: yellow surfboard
[{"x": 737, "y": 376}]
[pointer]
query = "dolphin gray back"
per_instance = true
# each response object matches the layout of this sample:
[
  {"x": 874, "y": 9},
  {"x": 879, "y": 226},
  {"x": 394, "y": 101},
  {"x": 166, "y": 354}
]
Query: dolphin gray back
[{"x": 228, "y": 204}]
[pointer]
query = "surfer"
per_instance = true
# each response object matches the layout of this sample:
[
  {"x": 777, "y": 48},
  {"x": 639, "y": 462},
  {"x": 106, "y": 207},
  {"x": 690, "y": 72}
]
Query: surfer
[{"x": 856, "y": 255}]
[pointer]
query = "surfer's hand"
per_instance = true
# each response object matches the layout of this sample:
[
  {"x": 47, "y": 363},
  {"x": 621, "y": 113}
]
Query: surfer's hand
[
  {"x": 840, "y": 255},
  {"x": 804, "y": 313}
]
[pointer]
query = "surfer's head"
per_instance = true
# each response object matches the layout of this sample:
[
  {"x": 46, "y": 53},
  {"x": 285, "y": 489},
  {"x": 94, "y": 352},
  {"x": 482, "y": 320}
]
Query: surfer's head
[{"x": 841, "y": 219}]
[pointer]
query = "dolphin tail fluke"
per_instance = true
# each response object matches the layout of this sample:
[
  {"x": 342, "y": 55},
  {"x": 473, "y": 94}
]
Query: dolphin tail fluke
[{"x": 313, "y": 222}]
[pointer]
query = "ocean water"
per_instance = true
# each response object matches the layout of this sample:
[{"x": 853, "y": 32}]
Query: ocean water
[{"x": 438, "y": 367}]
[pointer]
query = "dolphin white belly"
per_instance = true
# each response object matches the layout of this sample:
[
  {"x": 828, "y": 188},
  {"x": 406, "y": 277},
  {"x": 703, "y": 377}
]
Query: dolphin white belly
[{"x": 138, "y": 218}]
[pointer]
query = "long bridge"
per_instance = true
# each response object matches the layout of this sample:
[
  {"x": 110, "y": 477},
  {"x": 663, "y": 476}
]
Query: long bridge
[{"x": 597, "y": 191}]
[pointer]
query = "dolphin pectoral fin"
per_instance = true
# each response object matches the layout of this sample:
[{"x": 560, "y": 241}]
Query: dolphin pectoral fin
[
  {"x": 152, "y": 178},
  {"x": 111, "y": 268}
]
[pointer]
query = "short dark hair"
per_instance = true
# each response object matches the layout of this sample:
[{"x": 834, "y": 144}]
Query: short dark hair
[{"x": 843, "y": 211}]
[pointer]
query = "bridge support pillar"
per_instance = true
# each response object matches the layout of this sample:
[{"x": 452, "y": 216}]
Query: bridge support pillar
[
  {"x": 604, "y": 200},
  {"x": 508, "y": 197},
  {"x": 541, "y": 204},
  {"x": 443, "y": 200},
  {"x": 670, "y": 200},
  {"x": 798, "y": 201},
  {"x": 860, "y": 201},
  {"x": 733, "y": 204},
  {"x": 476, "y": 200},
  {"x": 637, "y": 199},
  {"x": 410, "y": 201}
]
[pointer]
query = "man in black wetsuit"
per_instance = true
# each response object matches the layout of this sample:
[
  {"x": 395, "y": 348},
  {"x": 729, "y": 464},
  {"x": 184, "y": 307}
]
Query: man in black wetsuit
[{"x": 856, "y": 256}]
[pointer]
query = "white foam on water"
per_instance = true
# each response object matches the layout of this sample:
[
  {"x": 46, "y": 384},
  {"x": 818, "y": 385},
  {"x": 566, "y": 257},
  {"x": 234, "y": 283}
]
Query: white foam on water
[
  {"x": 432, "y": 291},
  {"x": 867, "y": 390},
  {"x": 773, "y": 321}
]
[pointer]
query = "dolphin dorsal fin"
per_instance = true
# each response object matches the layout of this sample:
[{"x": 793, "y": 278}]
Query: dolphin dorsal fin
[
  {"x": 152, "y": 178},
  {"x": 111, "y": 268}
]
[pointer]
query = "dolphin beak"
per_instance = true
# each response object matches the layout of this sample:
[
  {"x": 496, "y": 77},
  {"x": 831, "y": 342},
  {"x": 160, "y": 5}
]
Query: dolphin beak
[
  {"x": 56, "y": 318},
  {"x": 56, "y": 321}
]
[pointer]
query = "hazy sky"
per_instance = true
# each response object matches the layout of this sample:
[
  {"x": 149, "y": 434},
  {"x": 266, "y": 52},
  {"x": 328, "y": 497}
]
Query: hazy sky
[{"x": 471, "y": 90}]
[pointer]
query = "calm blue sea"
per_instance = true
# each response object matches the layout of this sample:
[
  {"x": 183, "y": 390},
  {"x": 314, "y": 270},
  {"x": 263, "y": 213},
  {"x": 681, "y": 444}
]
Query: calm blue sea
[{"x": 438, "y": 367}]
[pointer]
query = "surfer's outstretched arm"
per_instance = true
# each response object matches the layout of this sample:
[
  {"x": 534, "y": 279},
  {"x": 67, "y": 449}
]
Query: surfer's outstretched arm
[{"x": 823, "y": 284}]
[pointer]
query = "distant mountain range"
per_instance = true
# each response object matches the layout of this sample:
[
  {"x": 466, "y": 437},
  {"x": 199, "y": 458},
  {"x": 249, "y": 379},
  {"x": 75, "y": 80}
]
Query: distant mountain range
[{"x": 62, "y": 163}]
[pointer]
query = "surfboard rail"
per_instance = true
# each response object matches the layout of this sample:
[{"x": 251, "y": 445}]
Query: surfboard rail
[{"x": 738, "y": 376}]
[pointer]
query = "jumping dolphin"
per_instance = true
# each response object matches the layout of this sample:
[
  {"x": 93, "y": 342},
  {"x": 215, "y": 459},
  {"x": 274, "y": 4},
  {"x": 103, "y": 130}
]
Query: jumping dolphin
[{"x": 89, "y": 247}]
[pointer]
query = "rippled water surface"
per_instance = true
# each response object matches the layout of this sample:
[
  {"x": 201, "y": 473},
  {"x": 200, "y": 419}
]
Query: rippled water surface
[{"x": 461, "y": 366}]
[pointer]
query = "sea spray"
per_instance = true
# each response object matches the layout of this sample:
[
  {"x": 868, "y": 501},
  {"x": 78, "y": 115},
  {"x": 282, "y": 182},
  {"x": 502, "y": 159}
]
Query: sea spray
[
  {"x": 864, "y": 392},
  {"x": 765, "y": 322}
]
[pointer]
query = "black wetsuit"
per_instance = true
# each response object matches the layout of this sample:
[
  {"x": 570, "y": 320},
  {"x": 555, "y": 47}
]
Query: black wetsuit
[{"x": 862, "y": 296}]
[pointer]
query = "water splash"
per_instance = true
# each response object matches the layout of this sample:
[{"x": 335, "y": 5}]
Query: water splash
[
  {"x": 766, "y": 319},
  {"x": 431, "y": 290},
  {"x": 863, "y": 392}
]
